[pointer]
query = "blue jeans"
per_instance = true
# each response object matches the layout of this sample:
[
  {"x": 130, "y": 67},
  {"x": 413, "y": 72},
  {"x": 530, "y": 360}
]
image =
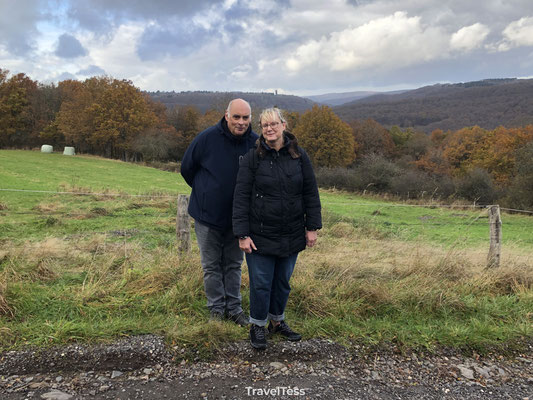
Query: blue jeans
[
  {"x": 269, "y": 286},
  {"x": 221, "y": 262}
]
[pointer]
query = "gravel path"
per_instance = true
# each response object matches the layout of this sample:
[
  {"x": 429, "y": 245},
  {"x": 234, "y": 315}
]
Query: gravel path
[{"x": 143, "y": 368}]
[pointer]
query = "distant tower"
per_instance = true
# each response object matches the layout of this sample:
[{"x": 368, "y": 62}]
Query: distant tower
[{"x": 276, "y": 92}]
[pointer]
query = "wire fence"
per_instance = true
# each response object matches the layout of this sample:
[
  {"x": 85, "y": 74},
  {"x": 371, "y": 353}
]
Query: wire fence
[{"x": 472, "y": 217}]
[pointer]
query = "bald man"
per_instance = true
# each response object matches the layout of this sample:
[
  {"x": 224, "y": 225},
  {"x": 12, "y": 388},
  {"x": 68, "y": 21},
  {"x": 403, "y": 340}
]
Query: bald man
[{"x": 209, "y": 166}]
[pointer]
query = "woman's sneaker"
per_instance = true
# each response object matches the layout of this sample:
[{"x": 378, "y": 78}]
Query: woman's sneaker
[
  {"x": 284, "y": 330},
  {"x": 258, "y": 337}
]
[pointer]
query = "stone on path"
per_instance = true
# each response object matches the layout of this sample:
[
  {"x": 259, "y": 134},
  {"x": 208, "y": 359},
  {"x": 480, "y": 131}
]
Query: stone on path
[
  {"x": 115, "y": 374},
  {"x": 56, "y": 395},
  {"x": 277, "y": 365},
  {"x": 466, "y": 372}
]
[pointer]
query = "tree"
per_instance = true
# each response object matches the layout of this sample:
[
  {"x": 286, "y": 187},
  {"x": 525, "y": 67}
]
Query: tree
[
  {"x": 292, "y": 118},
  {"x": 47, "y": 104},
  {"x": 105, "y": 116},
  {"x": 17, "y": 125},
  {"x": 498, "y": 156},
  {"x": 372, "y": 138},
  {"x": 521, "y": 188},
  {"x": 460, "y": 146},
  {"x": 326, "y": 138}
]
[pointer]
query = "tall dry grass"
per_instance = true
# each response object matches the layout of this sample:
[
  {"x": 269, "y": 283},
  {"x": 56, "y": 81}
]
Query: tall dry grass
[{"x": 351, "y": 283}]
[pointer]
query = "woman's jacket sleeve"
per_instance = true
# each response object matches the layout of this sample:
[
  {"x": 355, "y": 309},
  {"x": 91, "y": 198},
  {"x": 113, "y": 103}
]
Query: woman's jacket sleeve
[
  {"x": 313, "y": 214},
  {"x": 242, "y": 196}
]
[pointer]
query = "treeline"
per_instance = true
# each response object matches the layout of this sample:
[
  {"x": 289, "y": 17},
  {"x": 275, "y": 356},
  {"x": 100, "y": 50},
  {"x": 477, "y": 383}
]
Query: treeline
[
  {"x": 112, "y": 118},
  {"x": 480, "y": 165},
  {"x": 205, "y": 101},
  {"x": 102, "y": 116}
]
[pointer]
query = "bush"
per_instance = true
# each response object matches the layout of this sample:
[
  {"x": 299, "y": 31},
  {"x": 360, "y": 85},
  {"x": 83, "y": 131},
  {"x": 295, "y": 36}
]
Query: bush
[
  {"x": 376, "y": 173},
  {"x": 338, "y": 178},
  {"x": 477, "y": 186},
  {"x": 521, "y": 188},
  {"x": 413, "y": 184}
]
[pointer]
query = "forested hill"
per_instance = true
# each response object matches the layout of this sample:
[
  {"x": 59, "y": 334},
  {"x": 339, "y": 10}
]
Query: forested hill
[
  {"x": 219, "y": 100},
  {"x": 487, "y": 103}
]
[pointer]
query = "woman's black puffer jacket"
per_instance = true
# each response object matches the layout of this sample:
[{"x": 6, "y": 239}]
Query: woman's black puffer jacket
[{"x": 276, "y": 198}]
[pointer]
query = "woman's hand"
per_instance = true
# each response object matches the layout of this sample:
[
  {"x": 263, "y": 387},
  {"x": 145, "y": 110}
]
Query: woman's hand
[
  {"x": 310, "y": 238},
  {"x": 247, "y": 245}
]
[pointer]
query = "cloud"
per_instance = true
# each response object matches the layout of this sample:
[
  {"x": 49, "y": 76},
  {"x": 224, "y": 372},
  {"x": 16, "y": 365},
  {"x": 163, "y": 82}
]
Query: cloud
[
  {"x": 157, "y": 42},
  {"x": 517, "y": 33},
  {"x": 91, "y": 70},
  {"x": 69, "y": 47},
  {"x": 104, "y": 15},
  {"x": 17, "y": 25},
  {"x": 469, "y": 37},
  {"x": 389, "y": 42},
  {"x": 65, "y": 76}
]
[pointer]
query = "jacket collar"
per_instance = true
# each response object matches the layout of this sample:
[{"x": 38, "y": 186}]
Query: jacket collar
[{"x": 290, "y": 143}]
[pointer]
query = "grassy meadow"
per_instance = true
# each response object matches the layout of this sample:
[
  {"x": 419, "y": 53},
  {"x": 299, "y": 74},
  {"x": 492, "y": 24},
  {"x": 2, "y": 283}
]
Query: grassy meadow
[{"x": 88, "y": 253}]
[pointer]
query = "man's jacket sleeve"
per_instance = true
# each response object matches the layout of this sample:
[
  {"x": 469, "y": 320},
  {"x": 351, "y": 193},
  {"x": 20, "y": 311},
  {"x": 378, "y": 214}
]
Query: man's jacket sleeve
[
  {"x": 191, "y": 162},
  {"x": 313, "y": 214}
]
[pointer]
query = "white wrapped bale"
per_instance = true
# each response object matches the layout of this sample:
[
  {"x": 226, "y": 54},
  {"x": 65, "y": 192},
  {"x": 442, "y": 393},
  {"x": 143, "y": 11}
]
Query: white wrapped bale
[
  {"x": 69, "y": 151},
  {"x": 46, "y": 148}
]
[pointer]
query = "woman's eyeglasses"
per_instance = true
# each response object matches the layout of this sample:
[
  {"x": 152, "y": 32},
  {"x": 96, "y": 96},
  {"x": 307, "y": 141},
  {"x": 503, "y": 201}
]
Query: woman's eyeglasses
[{"x": 272, "y": 125}]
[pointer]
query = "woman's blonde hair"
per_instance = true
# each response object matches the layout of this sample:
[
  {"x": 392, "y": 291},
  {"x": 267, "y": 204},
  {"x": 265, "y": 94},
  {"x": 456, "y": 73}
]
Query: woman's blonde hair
[{"x": 271, "y": 113}]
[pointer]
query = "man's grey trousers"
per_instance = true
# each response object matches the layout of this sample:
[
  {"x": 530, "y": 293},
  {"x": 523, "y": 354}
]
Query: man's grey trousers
[{"x": 221, "y": 262}]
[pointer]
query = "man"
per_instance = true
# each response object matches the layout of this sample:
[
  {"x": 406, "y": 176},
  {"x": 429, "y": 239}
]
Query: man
[{"x": 210, "y": 167}]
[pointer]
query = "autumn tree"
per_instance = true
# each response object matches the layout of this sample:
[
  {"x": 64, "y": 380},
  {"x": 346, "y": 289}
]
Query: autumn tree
[
  {"x": 292, "y": 118},
  {"x": 498, "y": 155},
  {"x": 74, "y": 121},
  {"x": 186, "y": 121},
  {"x": 372, "y": 138},
  {"x": 17, "y": 124},
  {"x": 521, "y": 189},
  {"x": 326, "y": 138},
  {"x": 460, "y": 146},
  {"x": 105, "y": 115},
  {"x": 47, "y": 104},
  {"x": 210, "y": 118}
]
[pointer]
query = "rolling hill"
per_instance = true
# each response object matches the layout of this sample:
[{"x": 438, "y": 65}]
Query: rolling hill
[
  {"x": 487, "y": 103},
  {"x": 219, "y": 100}
]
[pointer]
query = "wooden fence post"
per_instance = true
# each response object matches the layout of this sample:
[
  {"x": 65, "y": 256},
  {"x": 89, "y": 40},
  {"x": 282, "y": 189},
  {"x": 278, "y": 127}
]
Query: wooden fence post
[
  {"x": 183, "y": 225},
  {"x": 495, "y": 224}
]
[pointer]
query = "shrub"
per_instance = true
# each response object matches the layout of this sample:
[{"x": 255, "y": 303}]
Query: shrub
[
  {"x": 338, "y": 178},
  {"x": 376, "y": 173},
  {"x": 477, "y": 186}
]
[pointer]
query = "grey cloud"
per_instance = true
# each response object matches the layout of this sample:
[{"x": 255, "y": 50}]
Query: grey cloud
[
  {"x": 65, "y": 76},
  {"x": 69, "y": 47},
  {"x": 100, "y": 15},
  {"x": 18, "y": 25},
  {"x": 91, "y": 70},
  {"x": 158, "y": 42}
]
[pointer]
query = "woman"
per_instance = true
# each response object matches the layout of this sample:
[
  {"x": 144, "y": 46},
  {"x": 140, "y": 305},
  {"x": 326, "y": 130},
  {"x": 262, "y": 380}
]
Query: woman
[{"x": 276, "y": 214}]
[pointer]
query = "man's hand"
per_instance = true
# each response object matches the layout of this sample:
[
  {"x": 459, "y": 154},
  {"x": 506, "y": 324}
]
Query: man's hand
[
  {"x": 310, "y": 238},
  {"x": 247, "y": 245}
]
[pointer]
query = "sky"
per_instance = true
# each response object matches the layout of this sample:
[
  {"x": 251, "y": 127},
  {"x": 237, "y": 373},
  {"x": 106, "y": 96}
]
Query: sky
[{"x": 301, "y": 47}]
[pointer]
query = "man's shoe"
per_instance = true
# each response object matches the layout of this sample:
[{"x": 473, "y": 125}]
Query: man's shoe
[
  {"x": 258, "y": 337},
  {"x": 216, "y": 316},
  {"x": 284, "y": 330},
  {"x": 240, "y": 319}
]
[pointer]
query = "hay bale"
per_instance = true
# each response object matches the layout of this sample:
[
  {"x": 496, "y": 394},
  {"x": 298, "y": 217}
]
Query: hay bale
[
  {"x": 69, "y": 151},
  {"x": 46, "y": 148}
]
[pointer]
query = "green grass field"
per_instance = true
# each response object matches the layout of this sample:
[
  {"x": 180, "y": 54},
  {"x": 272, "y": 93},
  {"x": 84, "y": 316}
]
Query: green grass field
[{"x": 96, "y": 259}]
